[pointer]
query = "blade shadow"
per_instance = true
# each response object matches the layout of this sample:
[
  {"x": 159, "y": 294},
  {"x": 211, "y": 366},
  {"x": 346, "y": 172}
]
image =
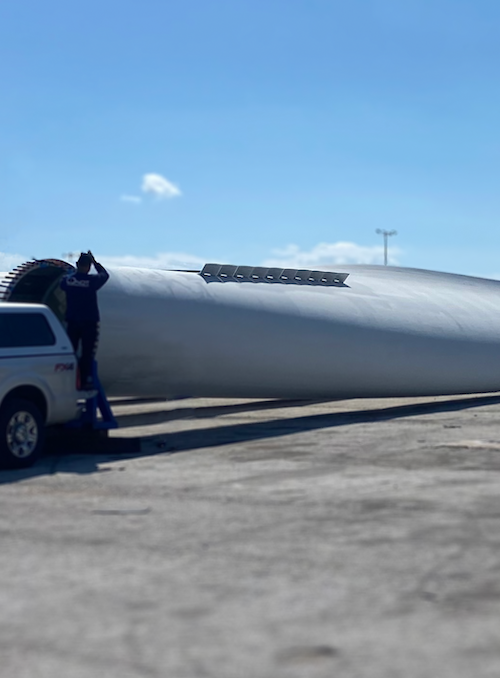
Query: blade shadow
[
  {"x": 126, "y": 420},
  {"x": 183, "y": 441},
  {"x": 96, "y": 452}
]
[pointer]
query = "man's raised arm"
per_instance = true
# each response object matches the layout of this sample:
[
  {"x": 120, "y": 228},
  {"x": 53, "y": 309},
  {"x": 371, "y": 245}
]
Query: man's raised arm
[{"x": 102, "y": 275}]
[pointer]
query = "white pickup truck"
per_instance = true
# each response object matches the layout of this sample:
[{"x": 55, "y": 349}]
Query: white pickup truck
[{"x": 38, "y": 380}]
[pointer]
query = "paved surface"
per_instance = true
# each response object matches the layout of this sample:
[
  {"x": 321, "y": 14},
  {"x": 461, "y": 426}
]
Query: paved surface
[{"x": 242, "y": 539}]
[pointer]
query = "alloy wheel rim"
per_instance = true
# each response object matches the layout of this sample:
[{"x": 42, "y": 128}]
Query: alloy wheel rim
[{"x": 22, "y": 434}]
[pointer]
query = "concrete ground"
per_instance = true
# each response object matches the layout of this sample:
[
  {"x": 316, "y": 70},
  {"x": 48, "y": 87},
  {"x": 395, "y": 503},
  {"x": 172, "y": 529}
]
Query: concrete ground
[{"x": 259, "y": 539}]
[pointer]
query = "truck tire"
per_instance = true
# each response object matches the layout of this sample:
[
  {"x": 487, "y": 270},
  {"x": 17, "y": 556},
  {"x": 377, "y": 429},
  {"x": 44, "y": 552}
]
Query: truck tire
[{"x": 22, "y": 433}]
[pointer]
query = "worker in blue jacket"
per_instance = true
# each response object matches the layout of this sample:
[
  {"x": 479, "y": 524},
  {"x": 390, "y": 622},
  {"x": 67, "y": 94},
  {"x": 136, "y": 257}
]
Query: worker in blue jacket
[{"x": 82, "y": 312}]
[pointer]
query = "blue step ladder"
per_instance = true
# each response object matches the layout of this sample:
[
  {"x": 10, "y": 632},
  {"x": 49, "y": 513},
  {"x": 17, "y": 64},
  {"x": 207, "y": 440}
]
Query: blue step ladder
[{"x": 97, "y": 404}]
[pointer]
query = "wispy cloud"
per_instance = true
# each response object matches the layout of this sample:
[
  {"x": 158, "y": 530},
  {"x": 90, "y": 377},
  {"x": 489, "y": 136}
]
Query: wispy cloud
[
  {"x": 161, "y": 260},
  {"x": 9, "y": 261},
  {"x": 136, "y": 199},
  {"x": 324, "y": 255},
  {"x": 321, "y": 256},
  {"x": 159, "y": 186}
]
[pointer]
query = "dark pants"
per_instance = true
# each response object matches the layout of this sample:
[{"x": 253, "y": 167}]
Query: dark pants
[{"x": 87, "y": 334}]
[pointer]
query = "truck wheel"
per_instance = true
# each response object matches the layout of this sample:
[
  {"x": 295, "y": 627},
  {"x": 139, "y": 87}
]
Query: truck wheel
[{"x": 22, "y": 433}]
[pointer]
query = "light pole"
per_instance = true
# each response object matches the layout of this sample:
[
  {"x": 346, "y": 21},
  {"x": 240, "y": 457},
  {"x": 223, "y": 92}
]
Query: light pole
[{"x": 386, "y": 235}]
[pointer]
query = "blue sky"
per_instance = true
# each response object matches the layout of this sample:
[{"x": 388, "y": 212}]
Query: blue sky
[{"x": 251, "y": 131}]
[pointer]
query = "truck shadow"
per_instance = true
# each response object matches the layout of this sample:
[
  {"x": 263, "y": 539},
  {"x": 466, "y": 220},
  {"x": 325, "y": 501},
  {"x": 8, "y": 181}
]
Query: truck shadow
[{"x": 80, "y": 454}]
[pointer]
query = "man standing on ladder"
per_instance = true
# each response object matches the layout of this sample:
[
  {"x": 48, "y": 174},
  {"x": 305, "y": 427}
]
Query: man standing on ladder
[{"x": 82, "y": 312}]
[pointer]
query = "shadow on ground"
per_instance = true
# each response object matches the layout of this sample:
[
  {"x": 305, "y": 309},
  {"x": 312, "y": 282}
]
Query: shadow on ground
[
  {"x": 149, "y": 418},
  {"x": 93, "y": 451}
]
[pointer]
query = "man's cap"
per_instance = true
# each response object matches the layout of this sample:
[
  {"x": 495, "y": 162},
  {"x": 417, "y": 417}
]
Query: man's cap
[{"x": 84, "y": 260}]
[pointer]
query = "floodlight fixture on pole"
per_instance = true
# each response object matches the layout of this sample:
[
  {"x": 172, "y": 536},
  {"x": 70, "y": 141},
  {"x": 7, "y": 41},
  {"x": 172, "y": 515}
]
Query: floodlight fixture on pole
[{"x": 386, "y": 235}]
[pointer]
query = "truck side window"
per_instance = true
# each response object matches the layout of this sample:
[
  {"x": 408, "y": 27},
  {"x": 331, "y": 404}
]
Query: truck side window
[{"x": 25, "y": 329}]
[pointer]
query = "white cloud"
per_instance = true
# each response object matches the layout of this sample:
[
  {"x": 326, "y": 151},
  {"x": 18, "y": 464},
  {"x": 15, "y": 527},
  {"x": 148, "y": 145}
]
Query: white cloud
[
  {"x": 136, "y": 199},
  {"x": 162, "y": 188},
  {"x": 325, "y": 255},
  {"x": 322, "y": 256},
  {"x": 10, "y": 261},
  {"x": 161, "y": 260}
]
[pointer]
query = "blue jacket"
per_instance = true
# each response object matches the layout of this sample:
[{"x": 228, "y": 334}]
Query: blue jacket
[{"x": 81, "y": 294}]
